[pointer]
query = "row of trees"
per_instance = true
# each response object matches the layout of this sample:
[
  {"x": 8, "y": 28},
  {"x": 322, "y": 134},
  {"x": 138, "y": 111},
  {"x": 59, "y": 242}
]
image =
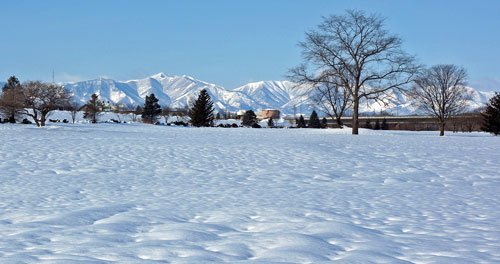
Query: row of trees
[
  {"x": 37, "y": 100},
  {"x": 352, "y": 57},
  {"x": 313, "y": 121}
]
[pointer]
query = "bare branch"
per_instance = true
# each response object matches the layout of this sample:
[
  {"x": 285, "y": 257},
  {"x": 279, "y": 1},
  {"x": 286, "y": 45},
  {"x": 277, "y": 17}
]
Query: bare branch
[
  {"x": 362, "y": 58},
  {"x": 440, "y": 91}
]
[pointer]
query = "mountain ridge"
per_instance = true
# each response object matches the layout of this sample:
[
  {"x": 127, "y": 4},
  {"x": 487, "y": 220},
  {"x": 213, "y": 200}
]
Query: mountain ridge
[{"x": 179, "y": 91}]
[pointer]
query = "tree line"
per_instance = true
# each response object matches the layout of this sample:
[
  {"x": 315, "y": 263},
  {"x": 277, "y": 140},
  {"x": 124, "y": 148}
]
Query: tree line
[{"x": 37, "y": 99}]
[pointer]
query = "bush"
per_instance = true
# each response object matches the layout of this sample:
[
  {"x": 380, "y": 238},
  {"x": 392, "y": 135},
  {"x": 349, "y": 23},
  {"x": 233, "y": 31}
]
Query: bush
[
  {"x": 180, "y": 123},
  {"x": 249, "y": 119},
  {"x": 26, "y": 121},
  {"x": 324, "y": 123},
  {"x": 301, "y": 123}
]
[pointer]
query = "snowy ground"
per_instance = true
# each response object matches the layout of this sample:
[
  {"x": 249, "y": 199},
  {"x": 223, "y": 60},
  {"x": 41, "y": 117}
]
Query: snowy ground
[{"x": 131, "y": 193}]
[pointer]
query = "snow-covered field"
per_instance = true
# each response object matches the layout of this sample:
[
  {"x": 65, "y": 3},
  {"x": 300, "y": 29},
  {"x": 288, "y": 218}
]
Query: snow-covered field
[{"x": 132, "y": 193}]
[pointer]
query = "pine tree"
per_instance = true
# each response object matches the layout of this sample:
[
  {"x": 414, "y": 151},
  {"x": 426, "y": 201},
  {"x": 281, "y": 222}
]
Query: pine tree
[
  {"x": 201, "y": 113},
  {"x": 301, "y": 123},
  {"x": 151, "y": 109},
  {"x": 270, "y": 122},
  {"x": 377, "y": 125},
  {"x": 249, "y": 119},
  {"x": 314, "y": 120},
  {"x": 491, "y": 116},
  {"x": 12, "y": 83},
  {"x": 92, "y": 109}
]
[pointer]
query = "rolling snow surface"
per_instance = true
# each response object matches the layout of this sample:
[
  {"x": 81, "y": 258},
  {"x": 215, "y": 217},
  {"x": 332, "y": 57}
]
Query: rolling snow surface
[{"x": 133, "y": 193}]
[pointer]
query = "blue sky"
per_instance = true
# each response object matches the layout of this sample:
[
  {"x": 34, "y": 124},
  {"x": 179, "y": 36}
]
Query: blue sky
[{"x": 229, "y": 43}]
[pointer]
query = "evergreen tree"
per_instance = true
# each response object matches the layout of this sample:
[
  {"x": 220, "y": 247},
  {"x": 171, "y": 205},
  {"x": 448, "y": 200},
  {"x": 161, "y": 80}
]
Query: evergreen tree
[
  {"x": 491, "y": 116},
  {"x": 324, "y": 123},
  {"x": 301, "y": 123},
  {"x": 270, "y": 122},
  {"x": 12, "y": 83},
  {"x": 384, "y": 125},
  {"x": 201, "y": 113},
  {"x": 151, "y": 109},
  {"x": 314, "y": 120},
  {"x": 249, "y": 119},
  {"x": 218, "y": 116},
  {"x": 138, "y": 110},
  {"x": 93, "y": 109},
  {"x": 377, "y": 125}
]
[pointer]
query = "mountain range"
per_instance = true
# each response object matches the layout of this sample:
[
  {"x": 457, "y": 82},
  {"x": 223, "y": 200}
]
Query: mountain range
[{"x": 179, "y": 91}]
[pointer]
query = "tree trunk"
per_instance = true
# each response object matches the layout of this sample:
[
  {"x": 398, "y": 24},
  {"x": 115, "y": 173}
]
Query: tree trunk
[
  {"x": 339, "y": 122},
  {"x": 35, "y": 118},
  {"x": 12, "y": 118},
  {"x": 43, "y": 116},
  {"x": 441, "y": 128},
  {"x": 355, "y": 115}
]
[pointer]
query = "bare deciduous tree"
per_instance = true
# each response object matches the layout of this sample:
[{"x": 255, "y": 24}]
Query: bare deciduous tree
[
  {"x": 119, "y": 109},
  {"x": 11, "y": 104},
  {"x": 441, "y": 92},
  {"x": 73, "y": 108},
  {"x": 333, "y": 100},
  {"x": 356, "y": 50},
  {"x": 11, "y": 99},
  {"x": 327, "y": 92},
  {"x": 165, "y": 112},
  {"x": 42, "y": 98}
]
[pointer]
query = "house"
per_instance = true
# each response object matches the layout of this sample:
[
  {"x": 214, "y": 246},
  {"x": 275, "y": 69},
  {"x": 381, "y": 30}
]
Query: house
[{"x": 269, "y": 113}]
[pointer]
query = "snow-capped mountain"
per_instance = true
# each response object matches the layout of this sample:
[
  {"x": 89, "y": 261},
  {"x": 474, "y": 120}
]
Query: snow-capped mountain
[
  {"x": 172, "y": 91},
  {"x": 179, "y": 91}
]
